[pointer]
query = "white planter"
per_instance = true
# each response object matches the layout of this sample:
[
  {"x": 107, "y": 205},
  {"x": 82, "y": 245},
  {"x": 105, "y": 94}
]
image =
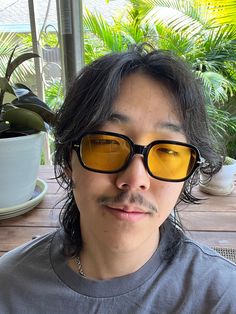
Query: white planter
[
  {"x": 19, "y": 165},
  {"x": 222, "y": 183}
]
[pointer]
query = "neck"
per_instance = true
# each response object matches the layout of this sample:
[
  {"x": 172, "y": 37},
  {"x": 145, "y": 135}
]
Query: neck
[{"x": 106, "y": 263}]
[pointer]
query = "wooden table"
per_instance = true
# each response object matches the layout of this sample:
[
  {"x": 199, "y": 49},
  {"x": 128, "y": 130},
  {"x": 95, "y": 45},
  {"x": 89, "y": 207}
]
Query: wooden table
[{"x": 213, "y": 222}]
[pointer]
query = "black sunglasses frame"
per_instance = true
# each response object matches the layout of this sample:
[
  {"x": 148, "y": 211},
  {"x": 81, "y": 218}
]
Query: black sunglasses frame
[{"x": 140, "y": 150}]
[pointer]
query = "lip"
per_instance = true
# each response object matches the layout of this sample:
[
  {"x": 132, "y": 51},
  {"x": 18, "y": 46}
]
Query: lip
[{"x": 126, "y": 213}]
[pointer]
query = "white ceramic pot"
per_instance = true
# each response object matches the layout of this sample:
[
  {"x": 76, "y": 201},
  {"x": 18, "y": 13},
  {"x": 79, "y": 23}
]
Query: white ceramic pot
[
  {"x": 19, "y": 165},
  {"x": 222, "y": 183}
]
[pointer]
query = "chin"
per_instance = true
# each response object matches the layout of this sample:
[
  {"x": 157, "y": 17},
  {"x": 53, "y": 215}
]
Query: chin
[{"x": 130, "y": 241}]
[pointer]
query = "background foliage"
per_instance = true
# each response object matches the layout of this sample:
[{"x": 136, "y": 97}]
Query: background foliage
[
  {"x": 202, "y": 32},
  {"x": 191, "y": 30},
  {"x": 7, "y": 43}
]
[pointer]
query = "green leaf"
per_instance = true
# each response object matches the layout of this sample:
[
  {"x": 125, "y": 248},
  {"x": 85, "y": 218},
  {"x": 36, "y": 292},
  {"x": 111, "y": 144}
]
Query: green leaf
[
  {"x": 5, "y": 86},
  {"x": 25, "y": 95},
  {"x": 7, "y": 42},
  {"x": 9, "y": 62},
  {"x": 4, "y": 126},
  {"x": 177, "y": 15},
  {"x": 21, "y": 119},
  {"x": 97, "y": 24},
  {"x": 46, "y": 114},
  {"x": 17, "y": 61},
  {"x": 28, "y": 100},
  {"x": 6, "y": 107},
  {"x": 222, "y": 11}
]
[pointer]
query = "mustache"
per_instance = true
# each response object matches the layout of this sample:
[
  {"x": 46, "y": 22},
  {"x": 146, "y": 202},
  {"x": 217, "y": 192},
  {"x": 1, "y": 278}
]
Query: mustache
[{"x": 131, "y": 198}]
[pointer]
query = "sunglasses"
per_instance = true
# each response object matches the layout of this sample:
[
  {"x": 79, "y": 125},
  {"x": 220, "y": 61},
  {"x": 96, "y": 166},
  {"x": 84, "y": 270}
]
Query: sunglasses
[{"x": 108, "y": 152}]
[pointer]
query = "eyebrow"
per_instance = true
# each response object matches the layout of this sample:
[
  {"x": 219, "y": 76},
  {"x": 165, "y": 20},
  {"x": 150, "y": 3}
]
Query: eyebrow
[
  {"x": 118, "y": 116},
  {"x": 170, "y": 126},
  {"x": 174, "y": 127}
]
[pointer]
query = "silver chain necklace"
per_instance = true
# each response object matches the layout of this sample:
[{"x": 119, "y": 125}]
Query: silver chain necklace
[{"x": 80, "y": 269}]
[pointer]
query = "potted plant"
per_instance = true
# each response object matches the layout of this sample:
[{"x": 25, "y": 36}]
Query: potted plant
[
  {"x": 221, "y": 183},
  {"x": 23, "y": 123}
]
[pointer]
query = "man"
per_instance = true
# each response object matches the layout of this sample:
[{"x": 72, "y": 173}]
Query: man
[{"x": 131, "y": 137}]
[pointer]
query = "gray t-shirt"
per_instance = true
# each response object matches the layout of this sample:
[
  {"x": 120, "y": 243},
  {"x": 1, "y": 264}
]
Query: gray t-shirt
[{"x": 35, "y": 279}]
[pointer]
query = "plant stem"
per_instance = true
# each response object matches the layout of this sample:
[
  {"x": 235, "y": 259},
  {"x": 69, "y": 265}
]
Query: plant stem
[{"x": 1, "y": 101}]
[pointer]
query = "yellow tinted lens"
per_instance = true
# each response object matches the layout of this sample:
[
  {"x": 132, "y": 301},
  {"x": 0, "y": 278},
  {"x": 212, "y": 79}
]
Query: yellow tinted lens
[
  {"x": 104, "y": 152},
  {"x": 171, "y": 161}
]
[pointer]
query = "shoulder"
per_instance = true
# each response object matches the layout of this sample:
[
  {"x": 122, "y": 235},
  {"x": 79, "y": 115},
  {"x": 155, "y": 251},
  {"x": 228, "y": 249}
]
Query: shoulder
[
  {"x": 206, "y": 262},
  {"x": 205, "y": 254},
  {"x": 25, "y": 271},
  {"x": 26, "y": 254},
  {"x": 203, "y": 279}
]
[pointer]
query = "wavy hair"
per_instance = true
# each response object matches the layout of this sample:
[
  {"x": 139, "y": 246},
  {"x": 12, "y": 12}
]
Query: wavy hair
[{"x": 89, "y": 103}]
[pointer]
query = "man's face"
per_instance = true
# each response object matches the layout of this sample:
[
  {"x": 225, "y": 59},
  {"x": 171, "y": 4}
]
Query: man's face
[{"x": 135, "y": 204}]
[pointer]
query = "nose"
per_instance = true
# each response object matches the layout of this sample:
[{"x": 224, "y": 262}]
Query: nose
[{"x": 135, "y": 177}]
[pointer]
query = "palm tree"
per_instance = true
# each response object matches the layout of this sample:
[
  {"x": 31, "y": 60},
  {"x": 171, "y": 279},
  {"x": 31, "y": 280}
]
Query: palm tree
[
  {"x": 184, "y": 27},
  {"x": 187, "y": 28},
  {"x": 127, "y": 29},
  {"x": 177, "y": 25}
]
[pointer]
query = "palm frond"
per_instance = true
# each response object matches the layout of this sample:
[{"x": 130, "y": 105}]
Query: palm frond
[
  {"x": 7, "y": 44},
  {"x": 222, "y": 123},
  {"x": 222, "y": 11},
  {"x": 217, "y": 87},
  {"x": 93, "y": 49},
  {"x": 99, "y": 27},
  {"x": 175, "y": 41},
  {"x": 177, "y": 15}
]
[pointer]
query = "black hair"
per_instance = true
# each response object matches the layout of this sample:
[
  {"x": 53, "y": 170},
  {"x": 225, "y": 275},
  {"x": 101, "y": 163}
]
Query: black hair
[{"x": 89, "y": 103}]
